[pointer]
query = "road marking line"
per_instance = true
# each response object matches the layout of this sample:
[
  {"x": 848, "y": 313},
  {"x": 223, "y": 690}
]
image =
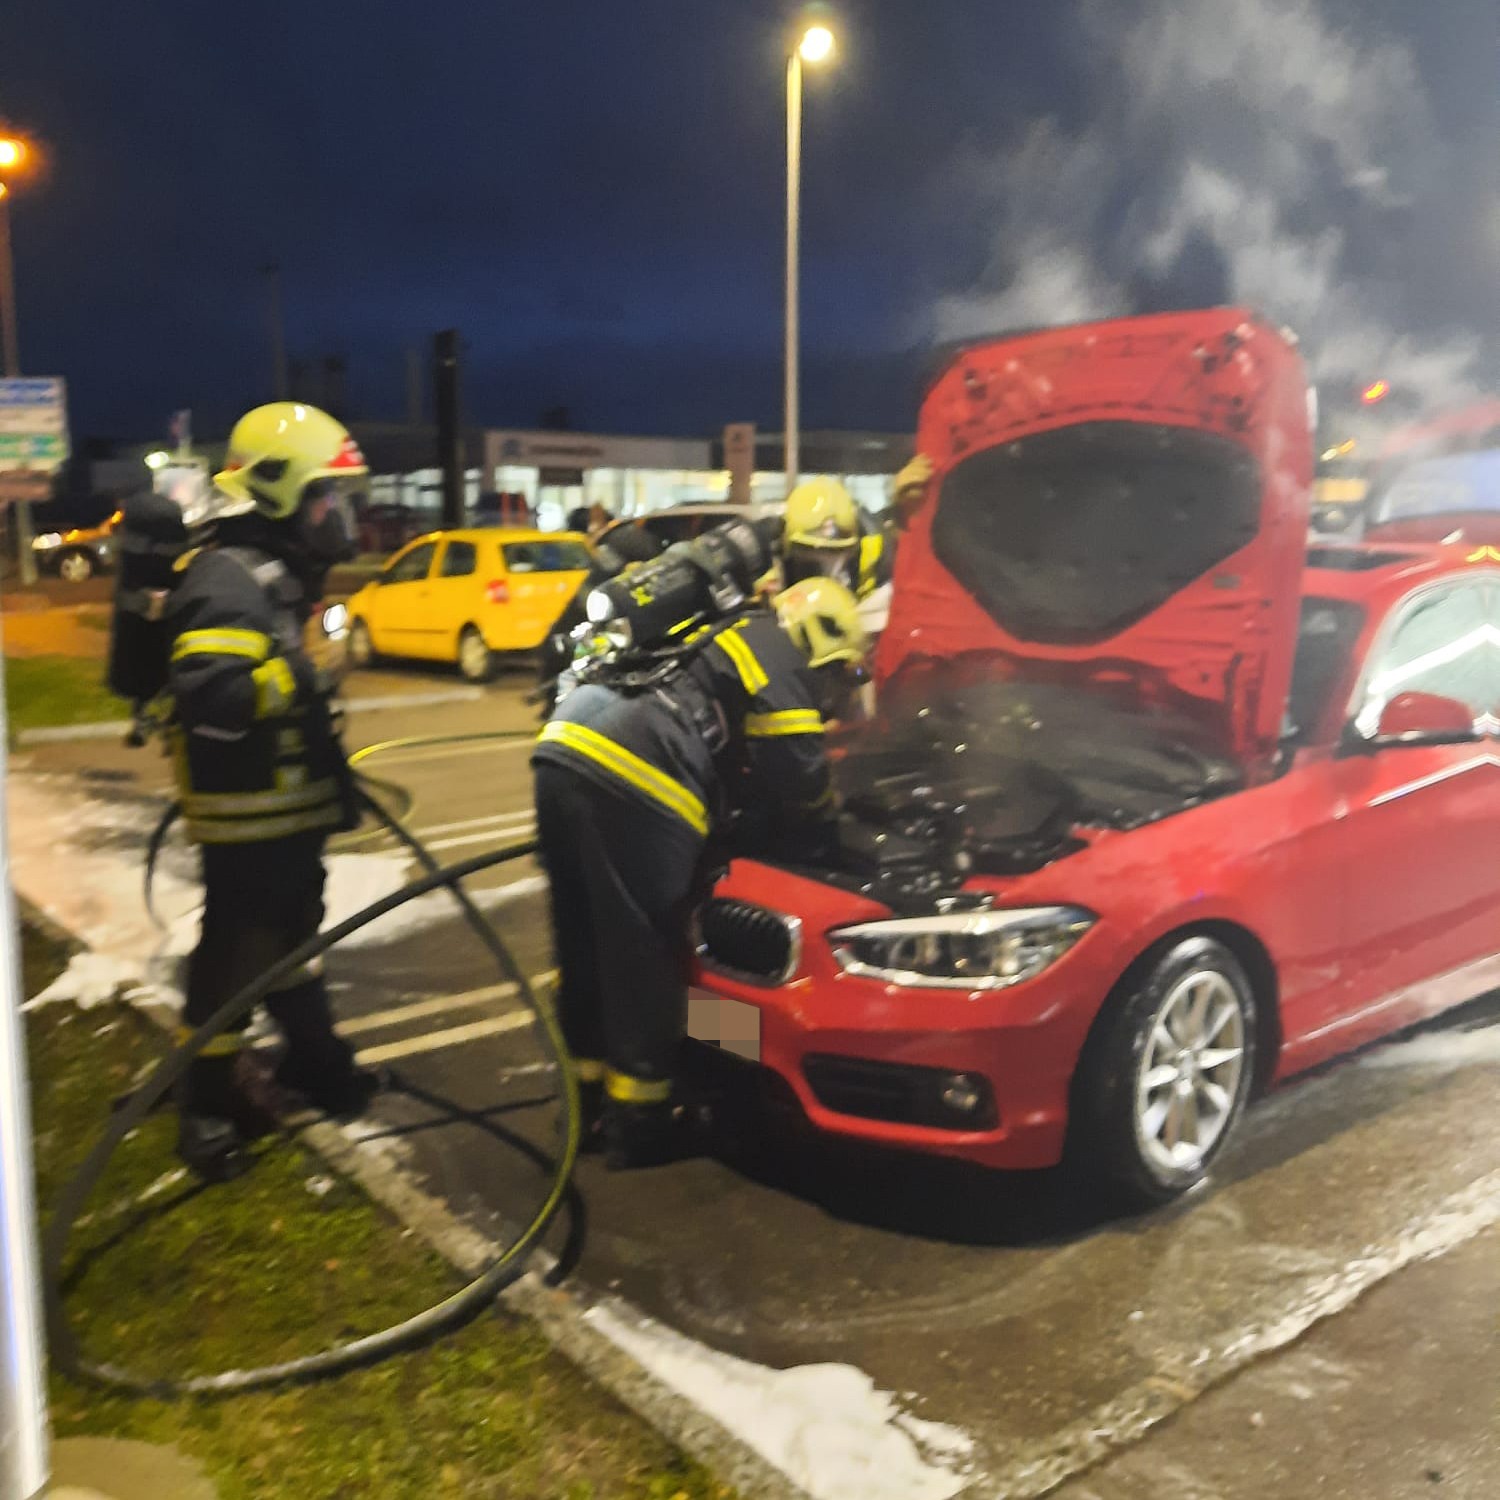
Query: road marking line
[
  {"x": 490, "y": 835},
  {"x": 454, "y": 1036},
  {"x": 439, "y": 1004},
  {"x": 525, "y": 814},
  {"x": 446, "y": 752}
]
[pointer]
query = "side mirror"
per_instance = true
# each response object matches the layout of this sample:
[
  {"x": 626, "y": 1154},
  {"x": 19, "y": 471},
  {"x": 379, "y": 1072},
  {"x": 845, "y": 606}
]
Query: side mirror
[{"x": 1414, "y": 717}]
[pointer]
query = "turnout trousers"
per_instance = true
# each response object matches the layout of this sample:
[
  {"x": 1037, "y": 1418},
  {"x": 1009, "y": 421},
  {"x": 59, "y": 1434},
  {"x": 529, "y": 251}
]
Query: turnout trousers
[
  {"x": 261, "y": 901},
  {"x": 624, "y": 878}
]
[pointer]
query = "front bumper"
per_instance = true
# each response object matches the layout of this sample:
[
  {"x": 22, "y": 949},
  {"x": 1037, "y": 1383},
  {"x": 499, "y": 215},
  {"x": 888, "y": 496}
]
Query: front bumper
[{"x": 871, "y": 1060}]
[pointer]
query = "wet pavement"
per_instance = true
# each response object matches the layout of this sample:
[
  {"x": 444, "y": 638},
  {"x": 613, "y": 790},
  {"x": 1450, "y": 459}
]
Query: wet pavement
[{"x": 1041, "y": 1336}]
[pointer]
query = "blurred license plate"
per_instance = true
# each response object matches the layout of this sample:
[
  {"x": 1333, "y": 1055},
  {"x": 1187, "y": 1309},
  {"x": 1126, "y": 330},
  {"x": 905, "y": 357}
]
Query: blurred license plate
[{"x": 729, "y": 1024}]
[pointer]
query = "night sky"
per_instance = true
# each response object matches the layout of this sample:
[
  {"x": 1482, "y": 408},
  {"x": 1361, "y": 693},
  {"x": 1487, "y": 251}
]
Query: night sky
[{"x": 591, "y": 190}]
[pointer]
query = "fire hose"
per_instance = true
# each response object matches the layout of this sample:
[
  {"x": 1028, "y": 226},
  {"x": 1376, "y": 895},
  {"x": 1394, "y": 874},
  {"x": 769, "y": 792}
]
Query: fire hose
[{"x": 505, "y": 1267}]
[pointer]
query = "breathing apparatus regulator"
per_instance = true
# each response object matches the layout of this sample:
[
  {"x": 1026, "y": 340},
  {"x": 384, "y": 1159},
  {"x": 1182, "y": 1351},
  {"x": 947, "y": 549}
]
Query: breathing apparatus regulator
[{"x": 641, "y": 624}]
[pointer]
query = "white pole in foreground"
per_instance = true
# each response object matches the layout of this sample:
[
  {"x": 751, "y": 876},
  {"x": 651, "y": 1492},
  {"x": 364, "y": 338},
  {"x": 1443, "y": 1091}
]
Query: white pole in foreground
[
  {"x": 23, "y": 1398},
  {"x": 791, "y": 436}
]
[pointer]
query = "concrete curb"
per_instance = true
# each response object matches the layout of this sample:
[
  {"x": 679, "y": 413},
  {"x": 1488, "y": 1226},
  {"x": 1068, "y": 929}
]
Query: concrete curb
[
  {"x": 559, "y": 1313},
  {"x": 117, "y": 729}
]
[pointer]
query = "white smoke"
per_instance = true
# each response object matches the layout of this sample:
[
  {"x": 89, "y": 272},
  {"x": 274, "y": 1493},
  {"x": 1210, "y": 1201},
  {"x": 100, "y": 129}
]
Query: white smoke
[{"x": 1253, "y": 133}]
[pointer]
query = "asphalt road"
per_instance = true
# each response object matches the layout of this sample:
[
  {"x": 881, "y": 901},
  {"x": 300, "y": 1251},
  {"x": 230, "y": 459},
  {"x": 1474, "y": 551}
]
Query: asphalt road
[{"x": 1005, "y": 1307}]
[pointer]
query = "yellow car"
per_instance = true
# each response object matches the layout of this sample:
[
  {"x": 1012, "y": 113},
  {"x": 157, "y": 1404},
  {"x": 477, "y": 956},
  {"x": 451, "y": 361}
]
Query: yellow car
[{"x": 463, "y": 596}]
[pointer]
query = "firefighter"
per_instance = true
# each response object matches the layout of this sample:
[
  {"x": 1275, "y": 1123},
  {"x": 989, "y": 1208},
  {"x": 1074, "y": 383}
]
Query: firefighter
[
  {"x": 824, "y": 535},
  {"x": 260, "y": 770},
  {"x": 912, "y": 486},
  {"x": 637, "y": 796}
]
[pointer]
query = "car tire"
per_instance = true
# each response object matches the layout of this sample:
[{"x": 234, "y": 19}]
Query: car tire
[
  {"x": 75, "y": 567},
  {"x": 1165, "y": 1075},
  {"x": 476, "y": 662},
  {"x": 361, "y": 649}
]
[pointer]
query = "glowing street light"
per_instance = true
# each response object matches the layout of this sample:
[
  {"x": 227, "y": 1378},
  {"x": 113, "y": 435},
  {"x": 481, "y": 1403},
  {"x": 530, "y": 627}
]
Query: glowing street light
[
  {"x": 815, "y": 46},
  {"x": 1376, "y": 392},
  {"x": 12, "y": 153}
]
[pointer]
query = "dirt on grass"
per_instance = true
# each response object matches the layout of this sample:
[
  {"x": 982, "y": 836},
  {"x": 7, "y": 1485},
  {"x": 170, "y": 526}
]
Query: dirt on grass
[{"x": 171, "y": 1279}]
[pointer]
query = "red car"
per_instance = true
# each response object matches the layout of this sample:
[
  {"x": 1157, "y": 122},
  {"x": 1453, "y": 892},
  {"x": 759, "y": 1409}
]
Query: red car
[{"x": 1158, "y": 810}]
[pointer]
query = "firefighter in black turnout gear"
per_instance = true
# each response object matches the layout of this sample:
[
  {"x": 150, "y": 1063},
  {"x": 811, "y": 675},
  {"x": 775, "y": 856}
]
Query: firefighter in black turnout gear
[
  {"x": 261, "y": 774},
  {"x": 642, "y": 794}
]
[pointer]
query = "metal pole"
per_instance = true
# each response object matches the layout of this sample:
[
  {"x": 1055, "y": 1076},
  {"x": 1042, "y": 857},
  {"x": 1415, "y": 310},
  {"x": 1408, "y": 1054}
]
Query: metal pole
[
  {"x": 23, "y": 1397},
  {"x": 20, "y": 509},
  {"x": 449, "y": 435},
  {"x": 272, "y": 273},
  {"x": 790, "y": 434}
]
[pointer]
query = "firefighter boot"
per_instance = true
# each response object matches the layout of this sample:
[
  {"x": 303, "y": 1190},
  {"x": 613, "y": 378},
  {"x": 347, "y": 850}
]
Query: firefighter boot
[
  {"x": 209, "y": 1140},
  {"x": 319, "y": 1064},
  {"x": 648, "y": 1135}
]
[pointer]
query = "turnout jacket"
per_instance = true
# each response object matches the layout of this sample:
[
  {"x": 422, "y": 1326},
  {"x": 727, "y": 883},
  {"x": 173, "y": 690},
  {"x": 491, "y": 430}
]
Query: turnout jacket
[
  {"x": 256, "y": 753},
  {"x": 736, "y": 731}
]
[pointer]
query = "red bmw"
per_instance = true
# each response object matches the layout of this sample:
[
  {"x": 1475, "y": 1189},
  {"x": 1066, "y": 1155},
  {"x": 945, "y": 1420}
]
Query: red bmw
[{"x": 1159, "y": 810}]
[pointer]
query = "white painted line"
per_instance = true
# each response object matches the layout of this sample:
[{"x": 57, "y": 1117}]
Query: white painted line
[
  {"x": 447, "y": 752},
  {"x": 492, "y": 835},
  {"x": 454, "y": 1036},
  {"x": 439, "y": 1004},
  {"x": 413, "y": 700},
  {"x": 111, "y": 729},
  {"x": 520, "y": 815}
]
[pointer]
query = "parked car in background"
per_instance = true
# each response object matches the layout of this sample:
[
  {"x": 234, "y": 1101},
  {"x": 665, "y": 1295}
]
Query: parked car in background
[
  {"x": 78, "y": 553},
  {"x": 383, "y": 528},
  {"x": 467, "y": 596},
  {"x": 1157, "y": 811}
]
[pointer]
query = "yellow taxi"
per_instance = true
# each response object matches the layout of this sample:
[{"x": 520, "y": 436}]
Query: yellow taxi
[{"x": 463, "y": 596}]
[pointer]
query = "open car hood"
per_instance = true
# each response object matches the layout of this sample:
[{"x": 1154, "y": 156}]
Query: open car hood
[{"x": 1121, "y": 504}]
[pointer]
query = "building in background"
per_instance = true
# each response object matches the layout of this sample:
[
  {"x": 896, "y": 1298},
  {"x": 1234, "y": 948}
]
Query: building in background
[{"x": 545, "y": 476}]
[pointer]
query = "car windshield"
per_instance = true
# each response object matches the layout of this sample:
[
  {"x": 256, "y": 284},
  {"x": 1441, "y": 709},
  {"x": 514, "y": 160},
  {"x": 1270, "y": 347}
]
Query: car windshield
[{"x": 546, "y": 557}]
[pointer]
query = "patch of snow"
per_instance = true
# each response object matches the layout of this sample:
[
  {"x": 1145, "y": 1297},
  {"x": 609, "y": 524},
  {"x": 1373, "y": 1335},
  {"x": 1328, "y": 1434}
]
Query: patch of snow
[
  {"x": 90, "y": 979},
  {"x": 1440, "y": 1049},
  {"x": 826, "y": 1427}
]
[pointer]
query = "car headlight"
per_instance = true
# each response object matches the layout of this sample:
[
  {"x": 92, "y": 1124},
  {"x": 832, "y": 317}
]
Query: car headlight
[
  {"x": 335, "y": 621},
  {"x": 47, "y": 541},
  {"x": 976, "y": 950}
]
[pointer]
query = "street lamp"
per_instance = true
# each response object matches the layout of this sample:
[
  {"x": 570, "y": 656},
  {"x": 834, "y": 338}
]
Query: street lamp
[
  {"x": 815, "y": 45},
  {"x": 13, "y": 158}
]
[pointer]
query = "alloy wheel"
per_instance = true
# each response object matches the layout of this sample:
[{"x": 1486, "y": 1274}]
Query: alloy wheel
[{"x": 1190, "y": 1069}]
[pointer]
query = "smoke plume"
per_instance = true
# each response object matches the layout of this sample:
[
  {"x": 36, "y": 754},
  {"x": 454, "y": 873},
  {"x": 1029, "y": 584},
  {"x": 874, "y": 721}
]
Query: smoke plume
[{"x": 1237, "y": 150}]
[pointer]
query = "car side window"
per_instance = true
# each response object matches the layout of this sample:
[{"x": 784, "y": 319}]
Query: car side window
[
  {"x": 459, "y": 560},
  {"x": 411, "y": 566},
  {"x": 1438, "y": 641}
]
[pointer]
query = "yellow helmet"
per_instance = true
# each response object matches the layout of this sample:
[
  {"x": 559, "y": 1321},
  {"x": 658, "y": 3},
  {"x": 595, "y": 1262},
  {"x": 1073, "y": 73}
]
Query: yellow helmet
[
  {"x": 276, "y": 451},
  {"x": 820, "y": 513},
  {"x": 822, "y": 618}
]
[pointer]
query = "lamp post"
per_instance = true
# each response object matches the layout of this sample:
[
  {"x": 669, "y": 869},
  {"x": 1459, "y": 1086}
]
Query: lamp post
[
  {"x": 815, "y": 45},
  {"x": 23, "y": 1401},
  {"x": 14, "y": 155}
]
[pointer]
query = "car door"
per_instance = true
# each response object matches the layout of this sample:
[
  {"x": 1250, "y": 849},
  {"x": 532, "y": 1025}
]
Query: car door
[
  {"x": 451, "y": 600},
  {"x": 540, "y": 577},
  {"x": 395, "y": 610},
  {"x": 1420, "y": 821}
]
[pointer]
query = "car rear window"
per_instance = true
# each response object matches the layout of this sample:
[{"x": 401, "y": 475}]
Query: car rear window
[
  {"x": 545, "y": 557},
  {"x": 459, "y": 559},
  {"x": 1070, "y": 537}
]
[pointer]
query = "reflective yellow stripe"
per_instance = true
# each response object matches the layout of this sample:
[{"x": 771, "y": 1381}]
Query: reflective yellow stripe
[
  {"x": 249, "y": 643},
  {"x": 257, "y": 830},
  {"x": 588, "y": 1069},
  {"x": 786, "y": 721},
  {"x": 870, "y": 551},
  {"x": 239, "y": 804},
  {"x": 752, "y": 674},
  {"x": 631, "y": 768},
  {"x": 275, "y": 688},
  {"x": 225, "y": 1045},
  {"x": 630, "y": 1090}
]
